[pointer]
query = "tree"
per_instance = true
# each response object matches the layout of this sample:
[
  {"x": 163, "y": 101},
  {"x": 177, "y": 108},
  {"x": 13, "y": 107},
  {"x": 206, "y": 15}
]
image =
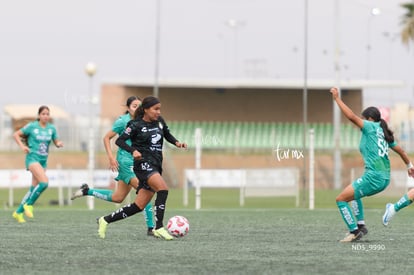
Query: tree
[{"x": 407, "y": 32}]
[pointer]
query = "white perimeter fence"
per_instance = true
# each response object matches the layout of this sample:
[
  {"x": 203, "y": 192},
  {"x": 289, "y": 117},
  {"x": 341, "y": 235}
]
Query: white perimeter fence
[
  {"x": 251, "y": 182},
  {"x": 58, "y": 178}
]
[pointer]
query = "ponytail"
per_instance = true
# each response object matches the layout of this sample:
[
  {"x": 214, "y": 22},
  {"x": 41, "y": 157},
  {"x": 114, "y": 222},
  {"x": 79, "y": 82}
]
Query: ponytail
[
  {"x": 375, "y": 114},
  {"x": 139, "y": 112},
  {"x": 388, "y": 134}
]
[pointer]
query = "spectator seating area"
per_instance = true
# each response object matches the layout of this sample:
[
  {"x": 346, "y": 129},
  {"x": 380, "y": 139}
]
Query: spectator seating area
[{"x": 262, "y": 135}]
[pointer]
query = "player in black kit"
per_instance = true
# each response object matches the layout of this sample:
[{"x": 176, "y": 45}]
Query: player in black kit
[{"x": 146, "y": 132}]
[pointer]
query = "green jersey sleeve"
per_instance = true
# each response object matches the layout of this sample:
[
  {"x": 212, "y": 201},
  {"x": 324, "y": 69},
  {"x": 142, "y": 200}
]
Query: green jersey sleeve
[{"x": 120, "y": 124}]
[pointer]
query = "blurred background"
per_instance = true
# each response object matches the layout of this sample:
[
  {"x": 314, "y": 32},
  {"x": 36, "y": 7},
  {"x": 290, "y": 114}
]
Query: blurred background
[{"x": 252, "y": 75}]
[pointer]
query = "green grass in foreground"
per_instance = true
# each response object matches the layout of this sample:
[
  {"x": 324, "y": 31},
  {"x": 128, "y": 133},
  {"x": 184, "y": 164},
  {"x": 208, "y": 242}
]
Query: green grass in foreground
[
  {"x": 220, "y": 241},
  {"x": 210, "y": 199}
]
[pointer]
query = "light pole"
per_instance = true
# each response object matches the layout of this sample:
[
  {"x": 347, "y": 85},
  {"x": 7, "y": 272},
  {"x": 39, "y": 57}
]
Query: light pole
[
  {"x": 157, "y": 48},
  {"x": 374, "y": 12},
  {"x": 336, "y": 112},
  {"x": 235, "y": 25},
  {"x": 305, "y": 97},
  {"x": 90, "y": 70}
]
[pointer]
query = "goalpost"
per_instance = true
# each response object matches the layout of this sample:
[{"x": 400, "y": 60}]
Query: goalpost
[{"x": 198, "y": 139}]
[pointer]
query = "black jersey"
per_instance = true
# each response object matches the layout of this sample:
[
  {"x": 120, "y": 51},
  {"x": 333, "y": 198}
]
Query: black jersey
[{"x": 147, "y": 138}]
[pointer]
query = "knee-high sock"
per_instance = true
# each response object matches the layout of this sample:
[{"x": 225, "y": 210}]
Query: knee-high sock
[
  {"x": 37, "y": 191},
  {"x": 358, "y": 209},
  {"x": 148, "y": 215},
  {"x": 347, "y": 215},
  {"x": 123, "y": 213},
  {"x": 103, "y": 194},
  {"x": 24, "y": 200},
  {"x": 403, "y": 202},
  {"x": 160, "y": 208}
]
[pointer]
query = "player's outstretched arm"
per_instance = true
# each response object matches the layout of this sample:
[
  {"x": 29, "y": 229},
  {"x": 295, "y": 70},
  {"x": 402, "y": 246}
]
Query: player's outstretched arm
[
  {"x": 345, "y": 109},
  {"x": 400, "y": 151}
]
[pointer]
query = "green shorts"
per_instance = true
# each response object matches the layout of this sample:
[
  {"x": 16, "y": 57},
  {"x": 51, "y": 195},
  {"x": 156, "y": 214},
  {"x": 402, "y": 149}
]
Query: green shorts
[
  {"x": 33, "y": 158},
  {"x": 370, "y": 184},
  {"x": 125, "y": 171}
]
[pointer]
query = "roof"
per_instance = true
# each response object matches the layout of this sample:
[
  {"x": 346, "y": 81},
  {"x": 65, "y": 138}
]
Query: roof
[
  {"x": 22, "y": 111},
  {"x": 255, "y": 83}
]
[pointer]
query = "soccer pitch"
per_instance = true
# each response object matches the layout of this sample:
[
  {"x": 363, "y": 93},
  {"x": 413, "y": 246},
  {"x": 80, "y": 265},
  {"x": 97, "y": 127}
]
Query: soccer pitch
[{"x": 220, "y": 241}]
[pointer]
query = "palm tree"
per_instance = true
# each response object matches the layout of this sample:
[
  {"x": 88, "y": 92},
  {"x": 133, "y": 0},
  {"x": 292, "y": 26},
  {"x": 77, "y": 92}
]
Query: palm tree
[{"x": 407, "y": 32}]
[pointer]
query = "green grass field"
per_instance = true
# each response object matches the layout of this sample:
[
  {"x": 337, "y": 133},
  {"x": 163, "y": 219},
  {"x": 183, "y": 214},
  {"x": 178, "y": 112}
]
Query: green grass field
[
  {"x": 223, "y": 239},
  {"x": 211, "y": 199}
]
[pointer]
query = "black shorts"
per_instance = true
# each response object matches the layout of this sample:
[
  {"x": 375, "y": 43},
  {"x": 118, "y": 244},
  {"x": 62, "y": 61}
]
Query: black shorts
[{"x": 143, "y": 170}]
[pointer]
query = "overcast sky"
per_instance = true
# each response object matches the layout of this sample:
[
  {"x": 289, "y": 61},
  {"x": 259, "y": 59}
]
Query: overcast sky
[{"x": 45, "y": 44}]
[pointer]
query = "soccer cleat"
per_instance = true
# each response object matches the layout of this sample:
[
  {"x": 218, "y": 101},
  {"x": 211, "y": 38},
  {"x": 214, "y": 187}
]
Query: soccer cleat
[
  {"x": 389, "y": 214},
  {"x": 352, "y": 237},
  {"x": 363, "y": 229},
  {"x": 28, "y": 210},
  {"x": 19, "y": 217},
  {"x": 150, "y": 231},
  {"x": 82, "y": 191},
  {"x": 162, "y": 233},
  {"x": 102, "y": 224}
]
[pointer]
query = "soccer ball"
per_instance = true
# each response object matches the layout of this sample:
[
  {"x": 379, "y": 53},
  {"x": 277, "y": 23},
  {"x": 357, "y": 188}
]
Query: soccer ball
[{"x": 178, "y": 226}]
